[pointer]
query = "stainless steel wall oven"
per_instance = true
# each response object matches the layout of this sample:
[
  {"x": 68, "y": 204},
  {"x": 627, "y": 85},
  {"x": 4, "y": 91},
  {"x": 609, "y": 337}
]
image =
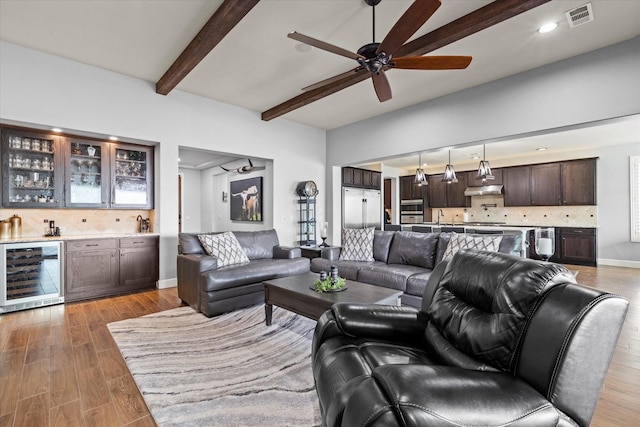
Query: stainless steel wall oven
[{"x": 411, "y": 211}]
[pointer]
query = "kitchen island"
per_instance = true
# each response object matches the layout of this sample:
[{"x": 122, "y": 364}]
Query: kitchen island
[{"x": 481, "y": 228}]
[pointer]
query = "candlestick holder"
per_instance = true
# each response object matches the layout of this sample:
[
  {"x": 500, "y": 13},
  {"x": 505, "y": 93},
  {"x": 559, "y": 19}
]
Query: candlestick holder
[
  {"x": 323, "y": 234},
  {"x": 545, "y": 242}
]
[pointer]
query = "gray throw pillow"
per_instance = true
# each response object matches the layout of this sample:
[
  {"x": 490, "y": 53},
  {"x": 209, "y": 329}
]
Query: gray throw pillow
[
  {"x": 357, "y": 244},
  {"x": 489, "y": 243},
  {"x": 225, "y": 247}
]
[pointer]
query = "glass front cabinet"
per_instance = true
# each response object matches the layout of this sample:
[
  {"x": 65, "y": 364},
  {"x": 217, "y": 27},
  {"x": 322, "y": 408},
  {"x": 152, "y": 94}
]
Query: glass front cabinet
[
  {"x": 41, "y": 170},
  {"x": 132, "y": 184},
  {"x": 87, "y": 174},
  {"x": 31, "y": 170}
]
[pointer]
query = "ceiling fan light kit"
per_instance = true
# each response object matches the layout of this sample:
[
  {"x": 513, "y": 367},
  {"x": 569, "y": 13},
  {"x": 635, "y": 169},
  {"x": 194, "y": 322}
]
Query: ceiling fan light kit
[{"x": 377, "y": 58}]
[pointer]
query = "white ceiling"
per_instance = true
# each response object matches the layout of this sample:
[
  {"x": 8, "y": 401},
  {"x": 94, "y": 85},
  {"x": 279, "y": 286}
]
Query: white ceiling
[{"x": 257, "y": 67}]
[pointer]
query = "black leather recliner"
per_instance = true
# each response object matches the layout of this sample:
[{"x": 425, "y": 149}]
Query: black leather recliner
[{"x": 499, "y": 341}]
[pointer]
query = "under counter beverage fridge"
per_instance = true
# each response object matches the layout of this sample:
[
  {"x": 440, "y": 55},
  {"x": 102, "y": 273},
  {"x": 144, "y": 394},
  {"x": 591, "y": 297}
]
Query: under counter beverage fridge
[{"x": 31, "y": 275}]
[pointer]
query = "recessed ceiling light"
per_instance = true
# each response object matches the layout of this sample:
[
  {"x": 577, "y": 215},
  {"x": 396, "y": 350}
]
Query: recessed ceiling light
[
  {"x": 542, "y": 149},
  {"x": 178, "y": 158},
  {"x": 548, "y": 27},
  {"x": 113, "y": 138},
  {"x": 475, "y": 157},
  {"x": 56, "y": 130}
]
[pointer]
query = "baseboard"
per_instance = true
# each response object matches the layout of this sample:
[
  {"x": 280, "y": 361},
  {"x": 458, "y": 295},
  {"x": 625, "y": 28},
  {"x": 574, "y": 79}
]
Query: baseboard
[
  {"x": 167, "y": 283},
  {"x": 619, "y": 263}
]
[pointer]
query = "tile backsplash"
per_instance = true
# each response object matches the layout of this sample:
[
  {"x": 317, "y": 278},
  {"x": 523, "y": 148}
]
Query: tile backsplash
[
  {"x": 73, "y": 222},
  {"x": 556, "y": 216}
]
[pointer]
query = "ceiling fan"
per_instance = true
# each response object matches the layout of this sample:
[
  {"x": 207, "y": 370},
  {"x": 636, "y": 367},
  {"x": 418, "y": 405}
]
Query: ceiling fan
[{"x": 376, "y": 58}]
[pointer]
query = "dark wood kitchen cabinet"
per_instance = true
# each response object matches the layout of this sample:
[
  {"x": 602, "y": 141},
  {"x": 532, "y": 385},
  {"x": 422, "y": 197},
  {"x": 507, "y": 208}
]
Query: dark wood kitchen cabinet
[
  {"x": 516, "y": 181},
  {"x": 578, "y": 179},
  {"x": 91, "y": 268},
  {"x": 535, "y": 185},
  {"x": 112, "y": 266},
  {"x": 409, "y": 190},
  {"x": 545, "y": 184},
  {"x": 361, "y": 178},
  {"x": 571, "y": 182},
  {"x": 437, "y": 192},
  {"x": 445, "y": 195},
  {"x": 576, "y": 245},
  {"x": 138, "y": 262}
]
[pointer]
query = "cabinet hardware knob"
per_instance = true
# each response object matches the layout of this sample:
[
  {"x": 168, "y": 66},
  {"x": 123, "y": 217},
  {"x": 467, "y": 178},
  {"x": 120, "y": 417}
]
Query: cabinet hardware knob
[{"x": 95, "y": 244}]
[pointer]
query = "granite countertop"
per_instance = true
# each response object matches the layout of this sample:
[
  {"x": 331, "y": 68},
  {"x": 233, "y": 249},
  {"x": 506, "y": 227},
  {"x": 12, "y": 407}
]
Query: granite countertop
[{"x": 28, "y": 239}]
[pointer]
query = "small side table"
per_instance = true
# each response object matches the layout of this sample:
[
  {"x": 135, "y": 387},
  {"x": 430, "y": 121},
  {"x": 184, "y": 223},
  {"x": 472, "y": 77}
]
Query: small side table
[{"x": 315, "y": 251}]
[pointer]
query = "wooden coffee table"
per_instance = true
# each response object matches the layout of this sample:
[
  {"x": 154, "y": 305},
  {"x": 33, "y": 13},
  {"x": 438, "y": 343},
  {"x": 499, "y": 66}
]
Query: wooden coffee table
[{"x": 294, "y": 294}]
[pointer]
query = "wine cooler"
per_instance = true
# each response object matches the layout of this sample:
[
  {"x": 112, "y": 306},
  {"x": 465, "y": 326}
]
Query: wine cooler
[{"x": 31, "y": 275}]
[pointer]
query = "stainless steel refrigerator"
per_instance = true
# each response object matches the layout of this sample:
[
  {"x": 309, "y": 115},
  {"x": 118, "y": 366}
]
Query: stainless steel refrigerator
[{"x": 361, "y": 208}]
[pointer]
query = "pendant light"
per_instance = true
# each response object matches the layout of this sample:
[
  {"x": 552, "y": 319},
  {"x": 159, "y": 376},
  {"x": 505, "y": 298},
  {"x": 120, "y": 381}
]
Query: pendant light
[
  {"x": 449, "y": 173},
  {"x": 420, "y": 176},
  {"x": 484, "y": 170}
]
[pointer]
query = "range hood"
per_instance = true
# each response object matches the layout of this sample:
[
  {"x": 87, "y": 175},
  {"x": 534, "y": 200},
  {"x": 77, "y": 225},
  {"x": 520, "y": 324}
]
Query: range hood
[{"x": 485, "y": 190}]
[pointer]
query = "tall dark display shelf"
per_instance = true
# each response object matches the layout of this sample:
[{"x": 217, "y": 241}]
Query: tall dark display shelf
[{"x": 307, "y": 222}]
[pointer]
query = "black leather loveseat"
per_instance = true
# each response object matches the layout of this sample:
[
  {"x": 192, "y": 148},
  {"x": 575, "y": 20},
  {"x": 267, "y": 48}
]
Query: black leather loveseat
[
  {"x": 499, "y": 341},
  {"x": 214, "y": 290}
]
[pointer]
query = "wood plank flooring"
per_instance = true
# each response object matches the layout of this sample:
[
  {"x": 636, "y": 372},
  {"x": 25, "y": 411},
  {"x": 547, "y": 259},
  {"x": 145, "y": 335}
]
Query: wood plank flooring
[{"x": 59, "y": 365}]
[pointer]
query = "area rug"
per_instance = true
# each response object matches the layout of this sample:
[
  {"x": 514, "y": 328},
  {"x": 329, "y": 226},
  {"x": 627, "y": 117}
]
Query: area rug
[{"x": 230, "y": 370}]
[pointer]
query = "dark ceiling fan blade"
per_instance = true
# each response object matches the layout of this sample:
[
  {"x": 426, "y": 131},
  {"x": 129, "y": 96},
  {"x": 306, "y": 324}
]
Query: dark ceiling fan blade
[
  {"x": 478, "y": 20},
  {"x": 323, "y": 45},
  {"x": 381, "y": 85},
  {"x": 431, "y": 62},
  {"x": 417, "y": 14},
  {"x": 332, "y": 79}
]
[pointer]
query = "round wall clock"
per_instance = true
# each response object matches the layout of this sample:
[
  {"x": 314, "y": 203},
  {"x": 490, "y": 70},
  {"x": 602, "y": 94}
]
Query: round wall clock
[{"x": 307, "y": 188}]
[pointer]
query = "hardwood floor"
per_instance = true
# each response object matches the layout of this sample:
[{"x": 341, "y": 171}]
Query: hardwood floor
[{"x": 60, "y": 366}]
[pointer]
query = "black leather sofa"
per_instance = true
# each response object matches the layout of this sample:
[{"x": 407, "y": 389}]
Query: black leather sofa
[
  {"x": 214, "y": 290},
  {"x": 403, "y": 260},
  {"x": 499, "y": 341}
]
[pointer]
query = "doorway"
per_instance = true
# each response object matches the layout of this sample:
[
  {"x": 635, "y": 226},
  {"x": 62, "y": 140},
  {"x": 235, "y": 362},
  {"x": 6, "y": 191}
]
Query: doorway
[{"x": 180, "y": 201}]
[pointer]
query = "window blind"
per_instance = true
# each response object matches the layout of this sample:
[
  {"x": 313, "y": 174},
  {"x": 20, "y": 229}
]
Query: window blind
[{"x": 635, "y": 198}]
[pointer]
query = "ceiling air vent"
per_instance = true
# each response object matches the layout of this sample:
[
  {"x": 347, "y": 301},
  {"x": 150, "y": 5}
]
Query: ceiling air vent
[{"x": 579, "y": 15}]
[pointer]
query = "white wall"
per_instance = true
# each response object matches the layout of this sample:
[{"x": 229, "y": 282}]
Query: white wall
[
  {"x": 216, "y": 213},
  {"x": 44, "y": 89},
  {"x": 599, "y": 85},
  {"x": 191, "y": 200}
]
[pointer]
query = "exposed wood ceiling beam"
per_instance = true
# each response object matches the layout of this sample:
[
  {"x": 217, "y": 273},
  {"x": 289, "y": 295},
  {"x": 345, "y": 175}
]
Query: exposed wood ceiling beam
[
  {"x": 480, "y": 19},
  {"x": 227, "y": 16}
]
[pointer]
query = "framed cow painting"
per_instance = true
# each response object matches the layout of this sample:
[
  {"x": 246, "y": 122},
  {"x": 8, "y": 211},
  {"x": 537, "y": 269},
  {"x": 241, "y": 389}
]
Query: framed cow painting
[{"x": 246, "y": 199}]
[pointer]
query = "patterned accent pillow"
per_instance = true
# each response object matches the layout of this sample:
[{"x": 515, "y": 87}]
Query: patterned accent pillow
[
  {"x": 489, "y": 243},
  {"x": 225, "y": 247},
  {"x": 357, "y": 244}
]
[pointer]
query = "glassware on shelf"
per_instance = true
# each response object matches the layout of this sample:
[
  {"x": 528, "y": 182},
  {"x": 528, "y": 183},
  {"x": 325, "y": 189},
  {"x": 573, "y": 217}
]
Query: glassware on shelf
[{"x": 545, "y": 242}]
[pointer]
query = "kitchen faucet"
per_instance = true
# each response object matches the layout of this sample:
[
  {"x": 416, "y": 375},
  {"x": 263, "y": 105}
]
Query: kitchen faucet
[{"x": 440, "y": 213}]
